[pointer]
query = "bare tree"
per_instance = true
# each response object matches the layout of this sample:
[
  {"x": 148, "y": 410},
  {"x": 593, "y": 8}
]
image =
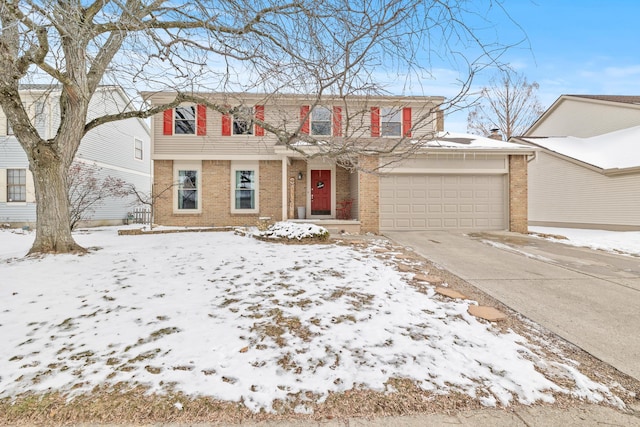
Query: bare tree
[
  {"x": 509, "y": 103},
  {"x": 88, "y": 191},
  {"x": 336, "y": 47}
]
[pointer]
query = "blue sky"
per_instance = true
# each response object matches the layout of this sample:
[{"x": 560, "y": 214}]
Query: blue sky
[{"x": 573, "y": 47}]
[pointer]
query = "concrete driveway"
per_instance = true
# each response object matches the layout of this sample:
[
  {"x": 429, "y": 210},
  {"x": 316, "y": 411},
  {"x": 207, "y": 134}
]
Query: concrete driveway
[{"x": 590, "y": 298}]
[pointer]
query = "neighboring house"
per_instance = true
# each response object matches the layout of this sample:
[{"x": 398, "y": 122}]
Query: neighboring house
[
  {"x": 586, "y": 173},
  {"x": 587, "y": 115},
  {"x": 223, "y": 170},
  {"x": 586, "y": 182},
  {"x": 119, "y": 149}
]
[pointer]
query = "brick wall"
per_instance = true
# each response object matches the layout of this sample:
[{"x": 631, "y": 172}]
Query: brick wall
[
  {"x": 216, "y": 195},
  {"x": 368, "y": 197},
  {"x": 300, "y": 194},
  {"x": 518, "y": 207}
]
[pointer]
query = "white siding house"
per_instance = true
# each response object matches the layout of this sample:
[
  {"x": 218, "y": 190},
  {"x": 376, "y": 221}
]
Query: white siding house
[
  {"x": 586, "y": 173},
  {"x": 119, "y": 149},
  {"x": 587, "y": 115}
]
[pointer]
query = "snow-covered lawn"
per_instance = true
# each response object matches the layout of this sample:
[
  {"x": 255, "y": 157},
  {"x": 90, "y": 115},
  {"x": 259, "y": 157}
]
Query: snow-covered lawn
[
  {"x": 237, "y": 319},
  {"x": 613, "y": 241}
]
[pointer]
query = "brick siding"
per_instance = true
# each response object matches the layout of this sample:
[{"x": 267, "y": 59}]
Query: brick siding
[
  {"x": 518, "y": 206},
  {"x": 216, "y": 195},
  {"x": 369, "y": 197}
]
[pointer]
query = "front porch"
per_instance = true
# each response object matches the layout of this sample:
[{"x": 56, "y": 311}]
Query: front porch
[{"x": 321, "y": 191}]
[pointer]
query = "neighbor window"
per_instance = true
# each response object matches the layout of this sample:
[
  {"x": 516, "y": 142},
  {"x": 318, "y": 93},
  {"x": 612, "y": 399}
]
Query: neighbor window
[
  {"x": 188, "y": 189},
  {"x": 184, "y": 120},
  {"x": 391, "y": 122},
  {"x": 243, "y": 121},
  {"x": 16, "y": 185},
  {"x": 9, "y": 128},
  {"x": 137, "y": 147},
  {"x": 321, "y": 121},
  {"x": 244, "y": 187}
]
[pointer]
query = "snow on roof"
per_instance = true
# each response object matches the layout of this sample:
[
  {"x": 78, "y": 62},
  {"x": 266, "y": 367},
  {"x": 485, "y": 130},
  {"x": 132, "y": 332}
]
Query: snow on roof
[
  {"x": 613, "y": 150},
  {"x": 472, "y": 142}
]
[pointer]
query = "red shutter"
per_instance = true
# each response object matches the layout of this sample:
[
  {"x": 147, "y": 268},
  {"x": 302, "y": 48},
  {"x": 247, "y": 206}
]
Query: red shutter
[
  {"x": 406, "y": 122},
  {"x": 337, "y": 121},
  {"x": 375, "y": 121},
  {"x": 226, "y": 125},
  {"x": 167, "y": 125},
  {"x": 304, "y": 115},
  {"x": 259, "y": 109},
  {"x": 201, "y": 123}
]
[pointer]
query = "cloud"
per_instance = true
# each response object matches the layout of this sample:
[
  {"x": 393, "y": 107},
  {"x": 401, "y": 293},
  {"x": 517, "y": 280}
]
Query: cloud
[{"x": 623, "y": 72}]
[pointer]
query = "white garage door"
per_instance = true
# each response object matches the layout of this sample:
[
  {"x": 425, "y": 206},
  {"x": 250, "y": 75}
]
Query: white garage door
[{"x": 441, "y": 202}]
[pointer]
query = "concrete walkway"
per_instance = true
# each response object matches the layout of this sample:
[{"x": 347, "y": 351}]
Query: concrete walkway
[{"x": 590, "y": 298}]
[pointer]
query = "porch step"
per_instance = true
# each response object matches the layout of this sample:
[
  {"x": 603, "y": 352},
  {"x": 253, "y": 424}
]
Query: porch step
[{"x": 334, "y": 226}]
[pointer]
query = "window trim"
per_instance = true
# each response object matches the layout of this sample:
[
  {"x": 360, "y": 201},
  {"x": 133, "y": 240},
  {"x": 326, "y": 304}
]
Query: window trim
[
  {"x": 240, "y": 166},
  {"x": 135, "y": 149},
  {"x": 328, "y": 122},
  {"x": 183, "y": 166},
  {"x": 249, "y": 122},
  {"x": 387, "y": 112},
  {"x": 176, "y": 120},
  {"x": 8, "y": 185}
]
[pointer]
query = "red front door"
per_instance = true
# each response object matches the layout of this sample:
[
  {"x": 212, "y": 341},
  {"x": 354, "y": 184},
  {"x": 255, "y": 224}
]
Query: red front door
[{"x": 320, "y": 192}]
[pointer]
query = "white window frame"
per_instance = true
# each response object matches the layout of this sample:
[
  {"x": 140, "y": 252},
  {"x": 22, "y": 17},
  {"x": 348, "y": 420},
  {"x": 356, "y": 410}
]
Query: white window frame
[
  {"x": 194, "y": 120},
  {"x": 386, "y": 116},
  {"x": 327, "y": 122},
  {"x": 242, "y": 120},
  {"x": 21, "y": 185},
  {"x": 187, "y": 166},
  {"x": 138, "y": 142},
  {"x": 245, "y": 166}
]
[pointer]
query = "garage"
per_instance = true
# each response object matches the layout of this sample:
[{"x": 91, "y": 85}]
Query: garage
[{"x": 423, "y": 201}]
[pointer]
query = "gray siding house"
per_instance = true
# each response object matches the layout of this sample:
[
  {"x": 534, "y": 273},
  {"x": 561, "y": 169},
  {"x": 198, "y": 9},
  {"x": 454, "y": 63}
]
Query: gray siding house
[{"x": 118, "y": 149}]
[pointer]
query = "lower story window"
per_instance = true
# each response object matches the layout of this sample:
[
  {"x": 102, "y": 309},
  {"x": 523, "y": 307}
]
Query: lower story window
[
  {"x": 187, "y": 189},
  {"x": 245, "y": 189},
  {"x": 16, "y": 185}
]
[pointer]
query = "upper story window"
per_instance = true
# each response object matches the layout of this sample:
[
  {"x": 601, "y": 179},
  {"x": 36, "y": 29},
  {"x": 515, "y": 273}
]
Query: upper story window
[
  {"x": 321, "y": 121},
  {"x": 243, "y": 121},
  {"x": 9, "y": 128},
  {"x": 16, "y": 185},
  {"x": 137, "y": 148},
  {"x": 391, "y": 122},
  {"x": 185, "y": 120}
]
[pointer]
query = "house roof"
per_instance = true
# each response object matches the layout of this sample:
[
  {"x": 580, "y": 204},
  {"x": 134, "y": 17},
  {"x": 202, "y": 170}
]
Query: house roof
[
  {"x": 630, "y": 101},
  {"x": 626, "y": 99},
  {"x": 613, "y": 150},
  {"x": 465, "y": 141}
]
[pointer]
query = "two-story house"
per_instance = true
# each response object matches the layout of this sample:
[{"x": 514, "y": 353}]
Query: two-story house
[
  {"x": 214, "y": 169},
  {"x": 118, "y": 149},
  {"x": 586, "y": 173}
]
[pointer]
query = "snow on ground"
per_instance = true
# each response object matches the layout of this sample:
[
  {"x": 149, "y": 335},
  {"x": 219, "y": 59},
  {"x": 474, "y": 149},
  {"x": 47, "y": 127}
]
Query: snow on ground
[
  {"x": 230, "y": 317},
  {"x": 612, "y": 241}
]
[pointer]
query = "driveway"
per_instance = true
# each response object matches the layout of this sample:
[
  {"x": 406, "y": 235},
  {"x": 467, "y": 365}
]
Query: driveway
[{"x": 590, "y": 298}]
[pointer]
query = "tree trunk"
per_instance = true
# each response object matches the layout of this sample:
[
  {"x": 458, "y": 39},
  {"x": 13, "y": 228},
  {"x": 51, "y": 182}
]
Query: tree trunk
[{"x": 53, "y": 230}]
